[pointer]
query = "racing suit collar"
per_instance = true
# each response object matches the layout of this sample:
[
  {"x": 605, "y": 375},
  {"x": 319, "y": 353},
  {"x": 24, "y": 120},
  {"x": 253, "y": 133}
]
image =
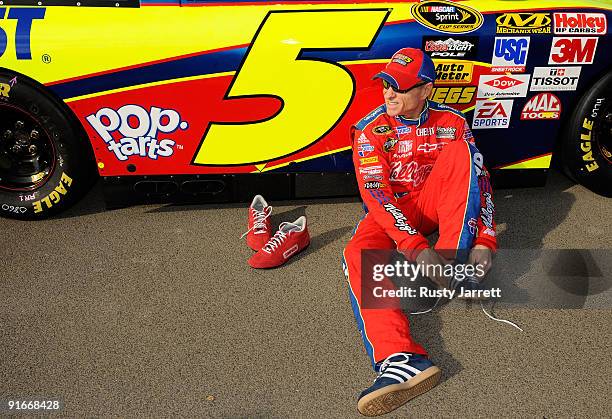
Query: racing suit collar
[{"x": 422, "y": 117}]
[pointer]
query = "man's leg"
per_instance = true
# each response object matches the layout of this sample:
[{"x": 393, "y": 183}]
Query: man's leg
[{"x": 384, "y": 331}]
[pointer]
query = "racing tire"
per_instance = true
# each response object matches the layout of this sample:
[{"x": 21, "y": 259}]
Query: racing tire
[
  {"x": 587, "y": 142},
  {"x": 46, "y": 161}
]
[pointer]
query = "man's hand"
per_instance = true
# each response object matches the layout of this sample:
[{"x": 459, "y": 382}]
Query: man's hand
[
  {"x": 429, "y": 257},
  {"x": 481, "y": 255}
]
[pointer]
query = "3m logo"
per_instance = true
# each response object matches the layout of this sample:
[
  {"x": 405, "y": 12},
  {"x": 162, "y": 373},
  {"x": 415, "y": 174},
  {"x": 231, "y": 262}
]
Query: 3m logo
[
  {"x": 542, "y": 106},
  {"x": 24, "y": 18},
  {"x": 523, "y": 23},
  {"x": 492, "y": 114},
  {"x": 503, "y": 86},
  {"x": 572, "y": 50},
  {"x": 510, "y": 54},
  {"x": 580, "y": 23}
]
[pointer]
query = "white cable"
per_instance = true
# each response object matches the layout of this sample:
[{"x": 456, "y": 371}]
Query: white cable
[{"x": 499, "y": 320}]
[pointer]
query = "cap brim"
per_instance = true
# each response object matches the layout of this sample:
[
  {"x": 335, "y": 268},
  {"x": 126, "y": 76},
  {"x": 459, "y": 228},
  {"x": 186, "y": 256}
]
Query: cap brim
[{"x": 389, "y": 78}]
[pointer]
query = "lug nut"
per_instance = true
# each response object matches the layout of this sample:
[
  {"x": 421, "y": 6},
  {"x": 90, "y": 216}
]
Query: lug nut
[
  {"x": 7, "y": 134},
  {"x": 19, "y": 125},
  {"x": 609, "y": 117},
  {"x": 32, "y": 149},
  {"x": 34, "y": 135},
  {"x": 15, "y": 149}
]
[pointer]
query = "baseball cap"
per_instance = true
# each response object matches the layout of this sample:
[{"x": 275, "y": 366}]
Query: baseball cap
[{"x": 407, "y": 67}]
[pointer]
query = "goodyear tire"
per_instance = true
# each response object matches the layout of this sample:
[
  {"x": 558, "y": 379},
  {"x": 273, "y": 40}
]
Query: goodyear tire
[
  {"x": 46, "y": 163},
  {"x": 587, "y": 145}
]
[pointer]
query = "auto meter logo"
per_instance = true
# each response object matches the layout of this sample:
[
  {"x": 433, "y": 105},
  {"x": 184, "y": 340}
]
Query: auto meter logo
[
  {"x": 446, "y": 16},
  {"x": 23, "y": 20},
  {"x": 542, "y": 106},
  {"x": 524, "y": 23},
  {"x": 137, "y": 130},
  {"x": 580, "y": 23},
  {"x": 492, "y": 114},
  {"x": 503, "y": 86},
  {"x": 510, "y": 55},
  {"x": 555, "y": 78},
  {"x": 454, "y": 72},
  {"x": 572, "y": 50},
  {"x": 452, "y": 47}
]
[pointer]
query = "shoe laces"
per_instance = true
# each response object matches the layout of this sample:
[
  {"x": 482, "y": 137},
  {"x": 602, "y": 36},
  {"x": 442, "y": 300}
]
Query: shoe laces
[
  {"x": 259, "y": 219},
  {"x": 274, "y": 242},
  {"x": 388, "y": 363}
]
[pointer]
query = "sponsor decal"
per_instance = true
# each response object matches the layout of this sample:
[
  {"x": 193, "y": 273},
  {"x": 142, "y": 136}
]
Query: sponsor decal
[
  {"x": 597, "y": 106},
  {"x": 542, "y": 106},
  {"x": 580, "y": 23},
  {"x": 4, "y": 90},
  {"x": 489, "y": 232},
  {"x": 426, "y": 147},
  {"x": 467, "y": 132},
  {"x": 379, "y": 196},
  {"x": 382, "y": 130},
  {"x": 401, "y": 222},
  {"x": 138, "y": 130},
  {"x": 492, "y": 114},
  {"x": 473, "y": 225},
  {"x": 443, "y": 47},
  {"x": 555, "y": 78},
  {"x": 389, "y": 144},
  {"x": 446, "y": 16},
  {"x": 404, "y": 146},
  {"x": 453, "y": 95},
  {"x": 572, "y": 50},
  {"x": 24, "y": 19},
  {"x": 454, "y": 73},
  {"x": 524, "y": 23},
  {"x": 363, "y": 139},
  {"x": 370, "y": 170},
  {"x": 410, "y": 172},
  {"x": 586, "y": 146},
  {"x": 287, "y": 253},
  {"x": 446, "y": 133},
  {"x": 374, "y": 185},
  {"x": 372, "y": 177},
  {"x": 403, "y": 129},
  {"x": 510, "y": 55},
  {"x": 425, "y": 132},
  {"x": 503, "y": 86},
  {"x": 369, "y": 160},
  {"x": 402, "y": 59},
  {"x": 487, "y": 211},
  {"x": 364, "y": 149},
  {"x": 55, "y": 196}
]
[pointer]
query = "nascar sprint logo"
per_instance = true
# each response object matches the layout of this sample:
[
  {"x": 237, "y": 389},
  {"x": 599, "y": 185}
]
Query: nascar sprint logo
[{"x": 447, "y": 17}]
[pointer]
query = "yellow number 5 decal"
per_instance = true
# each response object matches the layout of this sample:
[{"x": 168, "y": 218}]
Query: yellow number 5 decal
[{"x": 315, "y": 93}]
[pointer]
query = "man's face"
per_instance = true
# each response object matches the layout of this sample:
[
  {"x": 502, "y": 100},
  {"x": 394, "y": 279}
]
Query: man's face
[{"x": 409, "y": 104}]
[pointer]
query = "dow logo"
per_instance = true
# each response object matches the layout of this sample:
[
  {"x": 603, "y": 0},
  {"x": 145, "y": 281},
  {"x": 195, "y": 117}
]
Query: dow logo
[{"x": 23, "y": 19}]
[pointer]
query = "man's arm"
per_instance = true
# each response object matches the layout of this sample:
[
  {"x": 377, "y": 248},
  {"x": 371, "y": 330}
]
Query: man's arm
[{"x": 373, "y": 172}]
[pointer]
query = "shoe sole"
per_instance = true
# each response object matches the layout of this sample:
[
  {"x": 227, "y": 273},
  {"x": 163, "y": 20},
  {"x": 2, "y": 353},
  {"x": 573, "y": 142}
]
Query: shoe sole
[{"x": 391, "y": 397}]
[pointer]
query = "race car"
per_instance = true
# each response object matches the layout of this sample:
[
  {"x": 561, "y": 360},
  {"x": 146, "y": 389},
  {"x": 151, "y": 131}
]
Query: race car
[{"x": 200, "y": 101}]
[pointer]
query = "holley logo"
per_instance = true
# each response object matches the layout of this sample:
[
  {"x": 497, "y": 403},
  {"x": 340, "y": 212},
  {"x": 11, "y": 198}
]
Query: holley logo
[
  {"x": 578, "y": 23},
  {"x": 138, "y": 129},
  {"x": 25, "y": 18}
]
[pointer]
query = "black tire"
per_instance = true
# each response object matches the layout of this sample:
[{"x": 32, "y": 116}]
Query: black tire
[
  {"x": 587, "y": 142},
  {"x": 46, "y": 162}
]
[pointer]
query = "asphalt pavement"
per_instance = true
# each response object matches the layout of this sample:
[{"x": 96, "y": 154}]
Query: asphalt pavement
[{"x": 153, "y": 311}]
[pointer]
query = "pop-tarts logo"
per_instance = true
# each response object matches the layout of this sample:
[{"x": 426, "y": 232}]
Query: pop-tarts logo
[
  {"x": 510, "y": 54},
  {"x": 139, "y": 130},
  {"x": 24, "y": 18}
]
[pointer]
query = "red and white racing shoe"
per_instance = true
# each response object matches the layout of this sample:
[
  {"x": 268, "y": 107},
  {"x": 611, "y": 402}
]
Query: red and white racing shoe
[
  {"x": 289, "y": 240},
  {"x": 260, "y": 229}
]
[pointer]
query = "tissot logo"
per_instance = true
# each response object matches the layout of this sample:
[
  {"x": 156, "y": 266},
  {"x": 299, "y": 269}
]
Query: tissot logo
[
  {"x": 446, "y": 16},
  {"x": 523, "y": 23},
  {"x": 555, "y": 78}
]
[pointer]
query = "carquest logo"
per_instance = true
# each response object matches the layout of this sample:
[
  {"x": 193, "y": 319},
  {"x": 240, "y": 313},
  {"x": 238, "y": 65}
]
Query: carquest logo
[
  {"x": 447, "y": 17},
  {"x": 24, "y": 18}
]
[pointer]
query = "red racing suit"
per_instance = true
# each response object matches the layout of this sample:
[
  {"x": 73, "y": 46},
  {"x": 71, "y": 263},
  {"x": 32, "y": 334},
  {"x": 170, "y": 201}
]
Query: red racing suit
[{"x": 415, "y": 177}]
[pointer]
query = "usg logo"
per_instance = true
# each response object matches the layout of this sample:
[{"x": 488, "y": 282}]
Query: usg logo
[
  {"x": 523, "y": 23},
  {"x": 503, "y": 86},
  {"x": 138, "y": 129},
  {"x": 492, "y": 114},
  {"x": 555, "y": 78},
  {"x": 580, "y": 23},
  {"x": 510, "y": 54},
  {"x": 542, "y": 106},
  {"x": 577, "y": 50},
  {"x": 446, "y": 16},
  {"x": 24, "y": 18}
]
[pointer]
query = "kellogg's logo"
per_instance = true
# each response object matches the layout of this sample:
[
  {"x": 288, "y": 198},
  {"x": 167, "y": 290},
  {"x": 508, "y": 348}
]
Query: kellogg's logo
[
  {"x": 25, "y": 18},
  {"x": 138, "y": 129},
  {"x": 446, "y": 16},
  {"x": 409, "y": 173}
]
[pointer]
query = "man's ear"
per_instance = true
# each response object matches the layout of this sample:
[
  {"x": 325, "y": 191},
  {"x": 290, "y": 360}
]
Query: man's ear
[{"x": 427, "y": 90}]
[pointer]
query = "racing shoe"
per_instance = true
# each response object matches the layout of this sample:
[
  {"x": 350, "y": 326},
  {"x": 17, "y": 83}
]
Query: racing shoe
[
  {"x": 260, "y": 230},
  {"x": 290, "y": 239},
  {"x": 401, "y": 377}
]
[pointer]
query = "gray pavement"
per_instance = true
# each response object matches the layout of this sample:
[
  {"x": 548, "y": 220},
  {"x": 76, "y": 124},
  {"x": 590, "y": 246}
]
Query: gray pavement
[{"x": 153, "y": 311}]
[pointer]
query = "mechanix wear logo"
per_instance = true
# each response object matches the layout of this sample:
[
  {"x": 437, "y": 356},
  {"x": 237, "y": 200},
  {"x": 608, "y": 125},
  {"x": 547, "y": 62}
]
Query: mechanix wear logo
[
  {"x": 446, "y": 16},
  {"x": 524, "y": 23}
]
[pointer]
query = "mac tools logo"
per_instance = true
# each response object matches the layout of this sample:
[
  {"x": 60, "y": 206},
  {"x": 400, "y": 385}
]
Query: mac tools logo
[
  {"x": 510, "y": 55},
  {"x": 555, "y": 78},
  {"x": 580, "y": 23},
  {"x": 492, "y": 114},
  {"x": 444, "y": 47},
  {"x": 542, "y": 106},
  {"x": 503, "y": 86}
]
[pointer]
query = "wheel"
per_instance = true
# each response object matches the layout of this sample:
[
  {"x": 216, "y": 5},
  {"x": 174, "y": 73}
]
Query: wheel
[
  {"x": 46, "y": 162},
  {"x": 587, "y": 143}
]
